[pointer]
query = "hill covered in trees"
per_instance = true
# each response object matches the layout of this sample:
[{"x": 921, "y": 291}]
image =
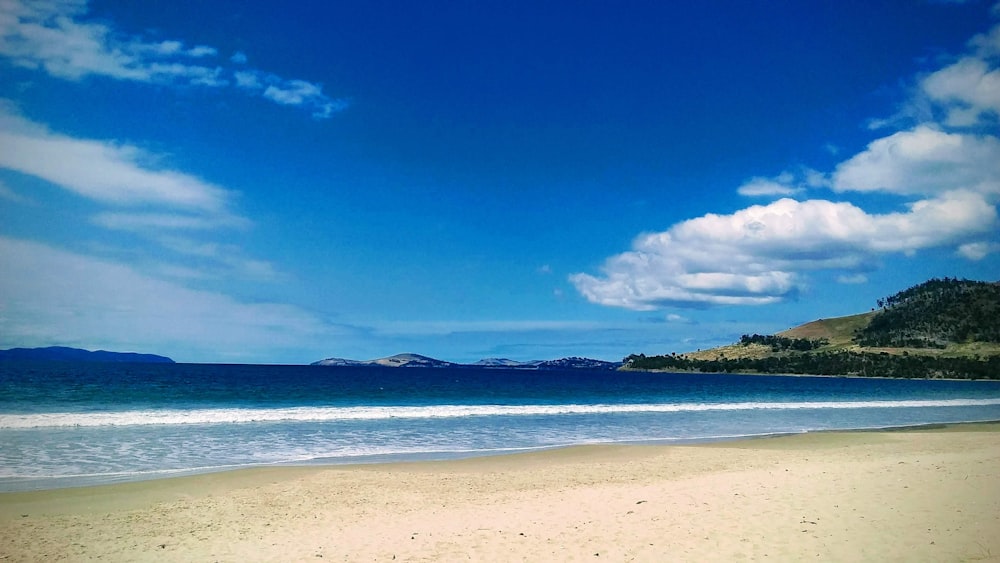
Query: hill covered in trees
[
  {"x": 940, "y": 328},
  {"x": 935, "y": 314}
]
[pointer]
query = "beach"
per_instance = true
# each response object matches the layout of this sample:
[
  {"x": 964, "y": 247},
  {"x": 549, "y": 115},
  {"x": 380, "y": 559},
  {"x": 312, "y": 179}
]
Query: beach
[{"x": 927, "y": 494}]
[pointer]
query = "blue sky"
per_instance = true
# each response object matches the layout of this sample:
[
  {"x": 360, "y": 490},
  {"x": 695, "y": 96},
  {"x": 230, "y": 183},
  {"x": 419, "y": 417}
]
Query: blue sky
[{"x": 252, "y": 182}]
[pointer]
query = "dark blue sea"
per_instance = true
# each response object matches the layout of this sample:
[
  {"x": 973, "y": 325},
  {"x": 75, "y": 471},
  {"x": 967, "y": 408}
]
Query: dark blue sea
[{"x": 75, "y": 424}]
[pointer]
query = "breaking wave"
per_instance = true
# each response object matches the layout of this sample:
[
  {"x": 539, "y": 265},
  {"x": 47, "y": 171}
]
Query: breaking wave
[{"x": 334, "y": 414}]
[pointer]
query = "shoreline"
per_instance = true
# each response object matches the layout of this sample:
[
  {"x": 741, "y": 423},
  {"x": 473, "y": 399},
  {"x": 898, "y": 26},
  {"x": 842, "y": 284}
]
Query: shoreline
[
  {"x": 73, "y": 482},
  {"x": 833, "y": 376},
  {"x": 840, "y": 495}
]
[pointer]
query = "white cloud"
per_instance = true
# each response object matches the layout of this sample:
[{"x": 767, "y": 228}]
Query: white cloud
[
  {"x": 152, "y": 202},
  {"x": 923, "y": 161},
  {"x": 300, "y": 92},
  {"x": 202, "y": 51},
  {"x": 987, "y": 45},
  {"x": 104, "y": 171},
  {"x": 756, "y": 255},
  {"x": 978, "y": 250},
  {"x": 57, "y": 297},
  {"x": 247, "y": 80},
  {"x": 293, "y": 93},
  {"x": 229, "y": 257},
  {"x": 787, "y": 183},
  {"x": 54, "y": 37},
  {"x": 969, "y": 91},
  {"x": 766, "y": 187},
  {"x": 949, "y": 179},
  {"x": 147, "y": 222},
  {"x": 46, "y": 35}
]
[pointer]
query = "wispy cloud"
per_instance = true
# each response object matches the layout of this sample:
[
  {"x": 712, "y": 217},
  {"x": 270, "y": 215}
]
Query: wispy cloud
[
  {"x": 852, "y": 279},
  {"x": 785, "y": 184},
  {"x": 765, "y": 187},
  {"x": 230, "y": 257},
  {"x": 413, "y": 328},
  {"x": 55, "y": 37},
  {"x": 166, "y": 206},
  {"x": 10, "y": 195},
  {"x": 58, "y": 297},
  {"x": 105, "y": 171},
  {"x": 290, "y": 92},
  {"x": 148, "y": 222}
]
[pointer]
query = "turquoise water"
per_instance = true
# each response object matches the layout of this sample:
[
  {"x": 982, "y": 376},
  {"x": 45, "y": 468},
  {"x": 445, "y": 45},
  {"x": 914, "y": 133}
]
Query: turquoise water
[{"x": 72, "y": 424}]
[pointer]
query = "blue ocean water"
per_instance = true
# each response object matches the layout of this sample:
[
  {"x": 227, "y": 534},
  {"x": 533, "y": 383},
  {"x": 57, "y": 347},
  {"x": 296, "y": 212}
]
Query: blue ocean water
[{"x": 72, "y": 424}]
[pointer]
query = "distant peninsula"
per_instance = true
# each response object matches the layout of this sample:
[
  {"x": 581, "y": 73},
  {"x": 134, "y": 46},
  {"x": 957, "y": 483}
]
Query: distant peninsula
[
  {"x": 942, "y": 328},
  {"x": 418, "y": 361},
  {"x": 65, "y": 354}
]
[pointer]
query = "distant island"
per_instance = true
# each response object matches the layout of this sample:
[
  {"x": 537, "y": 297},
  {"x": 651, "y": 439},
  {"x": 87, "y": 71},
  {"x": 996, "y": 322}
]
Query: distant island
[
  {"x": 418, "y": 361},
  {"x": 944, "y": 328},
  {"x": 64, "y": 354}
]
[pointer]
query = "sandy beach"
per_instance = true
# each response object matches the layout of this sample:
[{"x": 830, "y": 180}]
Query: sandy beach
[{"x": 930, "y": 494}]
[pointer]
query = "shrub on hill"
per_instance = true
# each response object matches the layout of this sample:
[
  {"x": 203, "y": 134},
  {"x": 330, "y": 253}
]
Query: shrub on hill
[{"x": 781, "y": 344}]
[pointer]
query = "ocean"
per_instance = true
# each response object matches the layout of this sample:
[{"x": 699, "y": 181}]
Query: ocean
[{"x": 65, "y": 424}]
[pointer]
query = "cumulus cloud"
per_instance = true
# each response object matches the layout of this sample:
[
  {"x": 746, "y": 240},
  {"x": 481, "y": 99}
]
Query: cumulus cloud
[
  {"x": 947, "y": 173},
  {"x": 58, "y": 297},
  {"x": 969, "y": 90},
  {"x": 55, "y": 37},
  {"x": 757, "y": 255},
  {"x": 923, "y": 161}
]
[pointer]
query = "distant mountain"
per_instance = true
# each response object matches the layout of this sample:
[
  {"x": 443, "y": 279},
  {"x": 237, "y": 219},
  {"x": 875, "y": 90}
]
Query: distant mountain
[
  {"x": 499, "y": 363},
  {"x": 562, "y": 363},
  {"x": 940, "y": 328},
  {"x": 418, "y": 361},
  {"x": 397, "y": 361},
  {"x": 577, "y": 363},
  {"x": 64, "y": 354}
]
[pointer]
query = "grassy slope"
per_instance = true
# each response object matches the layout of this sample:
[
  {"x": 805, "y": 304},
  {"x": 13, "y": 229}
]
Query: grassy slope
[{"x": 839, "y": 331}]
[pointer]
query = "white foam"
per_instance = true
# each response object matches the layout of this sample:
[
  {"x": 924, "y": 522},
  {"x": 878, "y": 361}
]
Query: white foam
[{"x": 333, "y": 414}]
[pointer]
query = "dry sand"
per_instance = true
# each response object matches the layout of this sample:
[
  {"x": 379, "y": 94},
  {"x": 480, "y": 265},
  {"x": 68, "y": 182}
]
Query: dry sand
[{"x": 919, "y": 495}]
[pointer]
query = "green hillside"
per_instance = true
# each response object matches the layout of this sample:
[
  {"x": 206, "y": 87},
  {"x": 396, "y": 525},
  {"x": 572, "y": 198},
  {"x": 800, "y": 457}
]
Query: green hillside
[
  {"x": 936, "y": 314},
  {"x": 940, "y": 328}
]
